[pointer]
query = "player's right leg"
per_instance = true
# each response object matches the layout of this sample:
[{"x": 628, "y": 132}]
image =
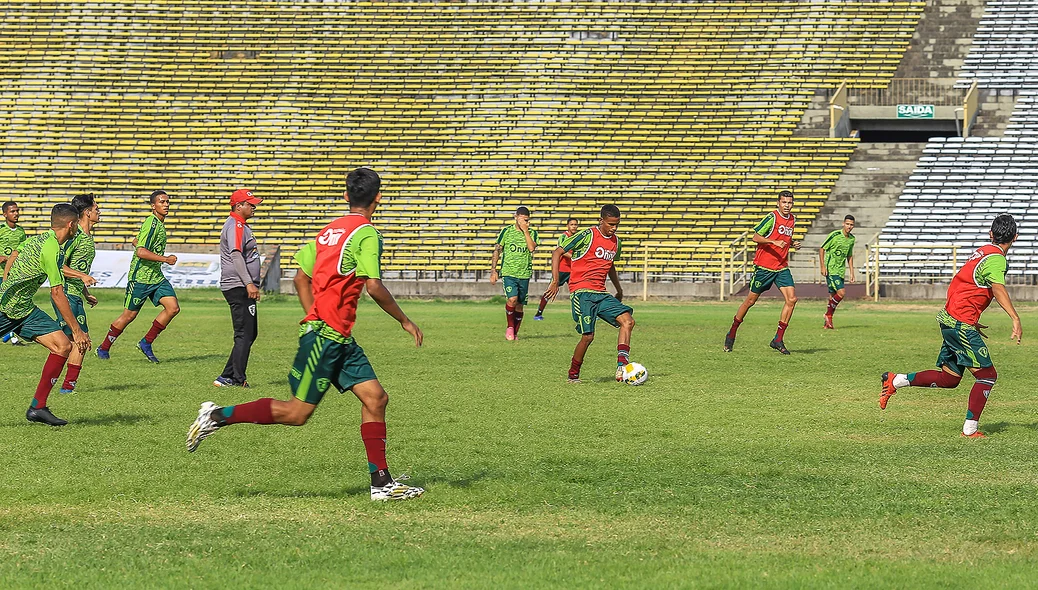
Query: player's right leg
[
  {"x": 75, "y": 358},
  {"x": 578, "y": 356},
  {"x": 167, "y": 298},
  {"x": 374, "y": 399},
  {"x": 790, "y": 296},
  {"x": 125, "y": 319},
  {"x": 623, "y": 343},
  {"x": 986, "y": 377},
  {"x": 750, "y": 301},
  {"x": 59, "y": 346},
  {"x": 836, "y": 295},
  {"x": 510, "y": 305}
]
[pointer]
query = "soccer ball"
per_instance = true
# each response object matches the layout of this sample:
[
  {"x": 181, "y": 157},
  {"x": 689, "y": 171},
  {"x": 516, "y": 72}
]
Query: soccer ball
[{"x": 635, "y": 374}]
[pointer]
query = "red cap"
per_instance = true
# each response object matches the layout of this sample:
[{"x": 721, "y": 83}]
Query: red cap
[{"x": 244, "y": 195}]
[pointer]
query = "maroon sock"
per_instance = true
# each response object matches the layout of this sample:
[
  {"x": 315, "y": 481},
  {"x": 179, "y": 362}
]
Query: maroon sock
[
  {"x": 934, "y": 378},
  {"x": 834, "y": 300},
  {"x": 544, "y": 303},
  {"x": 374, "y": 436},
  {"x": 153, "y": 333},
  {"x": 71, "y": 376},
  {"x": 735, "y": 327},
  {"x": 257, "y": 412},
  {"x": 980, "y": 392},
  {"x": 51, "y": 373},
  {"x": 510, "y": 316},
  {"x": 574, "y": 368},
  {"x": 623, "y": 354},
  {"x": 113, "y": 333},
  {"x": 781, "y": 332},
  {"x": 518, "y": 321}
]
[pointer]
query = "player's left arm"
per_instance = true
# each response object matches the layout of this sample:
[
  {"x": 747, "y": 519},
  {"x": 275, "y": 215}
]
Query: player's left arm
[
  {"x": 993, "y": 272},
  {"x": 369, "y": 267}
]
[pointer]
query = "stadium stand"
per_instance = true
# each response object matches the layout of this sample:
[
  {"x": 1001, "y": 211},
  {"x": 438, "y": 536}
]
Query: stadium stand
[
  {"x": 682, "y": 113},
  {"x": 1002, "y": 52}
]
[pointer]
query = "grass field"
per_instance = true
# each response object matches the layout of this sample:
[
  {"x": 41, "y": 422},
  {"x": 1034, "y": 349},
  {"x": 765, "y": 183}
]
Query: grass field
[{"x": 742, "y": 469}]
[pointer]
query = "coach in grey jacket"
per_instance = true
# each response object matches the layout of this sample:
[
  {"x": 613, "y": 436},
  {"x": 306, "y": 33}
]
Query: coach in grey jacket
[{"x": 239, "y": 281}]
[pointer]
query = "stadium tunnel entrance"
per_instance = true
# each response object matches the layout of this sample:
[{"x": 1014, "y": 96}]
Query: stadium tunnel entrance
[{"x": 885, "y": 130}]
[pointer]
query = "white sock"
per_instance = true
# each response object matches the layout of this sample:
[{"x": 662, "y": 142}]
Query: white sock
[
  {"x": 969, "y": 427},
  {"x": 901, "y": 380}
]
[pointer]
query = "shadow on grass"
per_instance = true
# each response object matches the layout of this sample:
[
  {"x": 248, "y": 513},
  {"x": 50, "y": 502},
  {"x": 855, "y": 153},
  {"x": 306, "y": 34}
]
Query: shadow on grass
[
  {"x": 119, "y": 387},
  {"x": 110, "y": 420},
  {"x": 998, "y": 427},
  {"x": 547, "y": 337},
  {"x": 454, "y": 482},
  {"x": 197, "y": 357},
  {"x": 808, "y": 350}
]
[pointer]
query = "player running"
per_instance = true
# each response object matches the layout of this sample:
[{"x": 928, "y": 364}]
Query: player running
[
  {"x": 11, "y": 237},
  {"x": 981, "y": 279},
  {"x": 146, "y": 281},
  {"x": 347, "y": 261},
  {"x": 564, "y": 265},
  {"x": 835, "y": 257},
  {"x": 774, "y": 237},
  {"x": 78, "y": 255},
  {"x": 40, "y": 260},
  {"x": 594, "y": 252},
  {"x": 514, "y": 247}
]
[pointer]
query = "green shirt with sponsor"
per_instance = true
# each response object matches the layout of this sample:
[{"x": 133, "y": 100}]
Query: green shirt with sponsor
[
  {"x": 991, "y": 271},
  {"x": 306, "y": 257},
  {"x": 838, "y": 248},
  {"x": 516, "y": 258},
  {"x": 764, "y": 226},
  {"x": 79, "y": 255},
  {"x": 151, "y": 237},
  {"x": 10, "y": 238},
  {"x": 39, "y": 260},
  {"x": 363, "y": 253}
]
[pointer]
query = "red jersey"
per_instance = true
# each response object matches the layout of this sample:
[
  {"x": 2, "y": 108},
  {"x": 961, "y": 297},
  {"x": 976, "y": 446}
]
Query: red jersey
[
  {"x": 969, "y": 293},
  {"x": 774, "y": 227},
  {"x": 565, "y": 265},
  {"x": 348, "y": 251},
  {"x": 593, "y": 256}
]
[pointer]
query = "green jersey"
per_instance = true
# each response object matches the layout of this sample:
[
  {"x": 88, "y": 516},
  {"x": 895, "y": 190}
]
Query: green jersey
[
  {"x": 516, "y": 258},
  {"x": 306, "y": 257},
  {"x": 10, "y": 238},
  {"x": 79, "y": 255},
  {"x": 152, "y": 237},
  {"x": 837, "y": 250},
  {"x": 39, "y": 259}
]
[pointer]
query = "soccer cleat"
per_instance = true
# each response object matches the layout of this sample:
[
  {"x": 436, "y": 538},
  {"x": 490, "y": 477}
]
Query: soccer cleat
[
  {"x": 573, "y": 380},
  {"x": 223, "y": 382},
  {"x": 619, "y": 373},
  {"x": 779, "y": 346},
  {"x": 509, "y": 333},
  {"x": 729, "y": 343},
  {"x": 145, "y": 347},
  {"x": 43, "y": 416},
  {"x": 538, "y": 317},
  {"x": 395, "y": 490},
  {"x": 102, "y": 354},
  {"x": 202, "y": 427},
  {"x": 828, "y": 323},
  {"x": 887, "y": 389},
  {"x": 975, "y": 435},
  {"x": 12, "y": 339},
  {"x": 64, "y": 391}
]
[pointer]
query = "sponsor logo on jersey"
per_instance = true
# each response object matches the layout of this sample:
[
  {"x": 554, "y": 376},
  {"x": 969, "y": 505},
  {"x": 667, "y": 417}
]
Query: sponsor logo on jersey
[
  {"x": 785, "y": 230},
  {"x": 604, "y": 254},
  {"x": 331, "y": 236}
]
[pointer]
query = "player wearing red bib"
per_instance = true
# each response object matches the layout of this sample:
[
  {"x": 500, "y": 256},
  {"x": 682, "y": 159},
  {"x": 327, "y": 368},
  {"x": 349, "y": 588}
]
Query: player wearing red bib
[
  {"x": 774, "y": 237},
  {"x": 347, "y": 262},
  {"x": 980, "y": 280},
  {"x": 594, "y": 252}
]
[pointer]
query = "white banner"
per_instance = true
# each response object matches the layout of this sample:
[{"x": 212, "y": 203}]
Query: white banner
[{"x": 111, "y": 267}]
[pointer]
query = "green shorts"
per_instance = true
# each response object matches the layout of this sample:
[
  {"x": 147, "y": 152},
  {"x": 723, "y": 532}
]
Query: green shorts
[
  {"x": 37, "y": 323},
  {"x": 963, "y": 347},
  {"x": 834, "y": 283},
  {"x": 77, "y": 310},
  {"x": 516, "y": 288},
  {"x": 588, "y": 306},
  {"x": 321, "y": 363},
  {"x": 138, "y": 293},
  {"x": 763, "y": 279}
]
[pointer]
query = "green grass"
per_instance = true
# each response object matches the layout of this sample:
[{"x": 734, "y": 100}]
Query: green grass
[{"x": 748, "y": 469}]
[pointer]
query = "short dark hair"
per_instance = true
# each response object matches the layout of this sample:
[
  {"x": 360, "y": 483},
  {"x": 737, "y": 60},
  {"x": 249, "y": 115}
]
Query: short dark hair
[
  {"x": 362, "y": 186},
  {"x": 155, "y": 195},
  {"x": 83, "y": 202},
  {"x": 786, "y": 193},
  {"x": 610, "y": 211},
  {"x": 7, "y": 205},
  {"x": 572, "y": 219},
  {"x": 61, "y": 214},
  {"x": 522, "y": 211},
  {"x": 1003, "y": 229},
  {"x": 849, "y": 218}
]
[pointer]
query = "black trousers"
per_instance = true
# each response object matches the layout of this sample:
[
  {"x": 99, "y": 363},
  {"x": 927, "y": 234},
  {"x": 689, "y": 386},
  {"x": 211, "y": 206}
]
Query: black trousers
[{"x": 243, "y": 317}]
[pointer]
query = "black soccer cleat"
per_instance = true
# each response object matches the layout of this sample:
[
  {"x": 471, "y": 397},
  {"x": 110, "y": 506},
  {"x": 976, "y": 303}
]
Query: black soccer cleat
[
  {"x": 729, "y": 343},
  {"x": 43, "y": 416},
  {"x": 779, "y": 346}
]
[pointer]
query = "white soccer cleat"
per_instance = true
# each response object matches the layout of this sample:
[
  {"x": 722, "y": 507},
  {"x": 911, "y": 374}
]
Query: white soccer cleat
[
  {"x": 202, "y": 427},
  {"x": 395, "y": 491},
  {"x": 619, "y": 373}
]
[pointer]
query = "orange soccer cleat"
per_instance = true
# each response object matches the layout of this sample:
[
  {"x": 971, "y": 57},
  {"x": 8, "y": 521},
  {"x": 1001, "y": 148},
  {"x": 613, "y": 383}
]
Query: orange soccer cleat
[
  {"x": 887, "y": 390},
  {"x": 977, "y": 434}
]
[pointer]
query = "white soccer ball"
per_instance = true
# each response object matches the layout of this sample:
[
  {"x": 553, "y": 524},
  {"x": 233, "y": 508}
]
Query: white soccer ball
[{"x": 635, "y": 374}]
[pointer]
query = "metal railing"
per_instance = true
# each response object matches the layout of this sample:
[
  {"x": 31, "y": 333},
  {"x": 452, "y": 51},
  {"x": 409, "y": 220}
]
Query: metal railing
[{"x": 908, "y": 91}]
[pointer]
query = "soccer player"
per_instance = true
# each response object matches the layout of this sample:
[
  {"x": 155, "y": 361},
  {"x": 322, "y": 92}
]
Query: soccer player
[
  {"x": 514, "y": 248},
  {"x": 774, "y": 237},
  {"x": 594, "y": 252},
  {"x": 239, "y": 283},
  {"x": 304, "y": 259},
  {"x": 78, "y": 255},
  {"x": 981, "y": 279},
  {"x": 835, "y": 256},
  {"x": 146, "y": 281},
  {"x": 347, "y": 261},
  {"x": 564, "y": 265},
  {"x": 40, "y": 260},
  {"x": 11, "y": 237}
]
